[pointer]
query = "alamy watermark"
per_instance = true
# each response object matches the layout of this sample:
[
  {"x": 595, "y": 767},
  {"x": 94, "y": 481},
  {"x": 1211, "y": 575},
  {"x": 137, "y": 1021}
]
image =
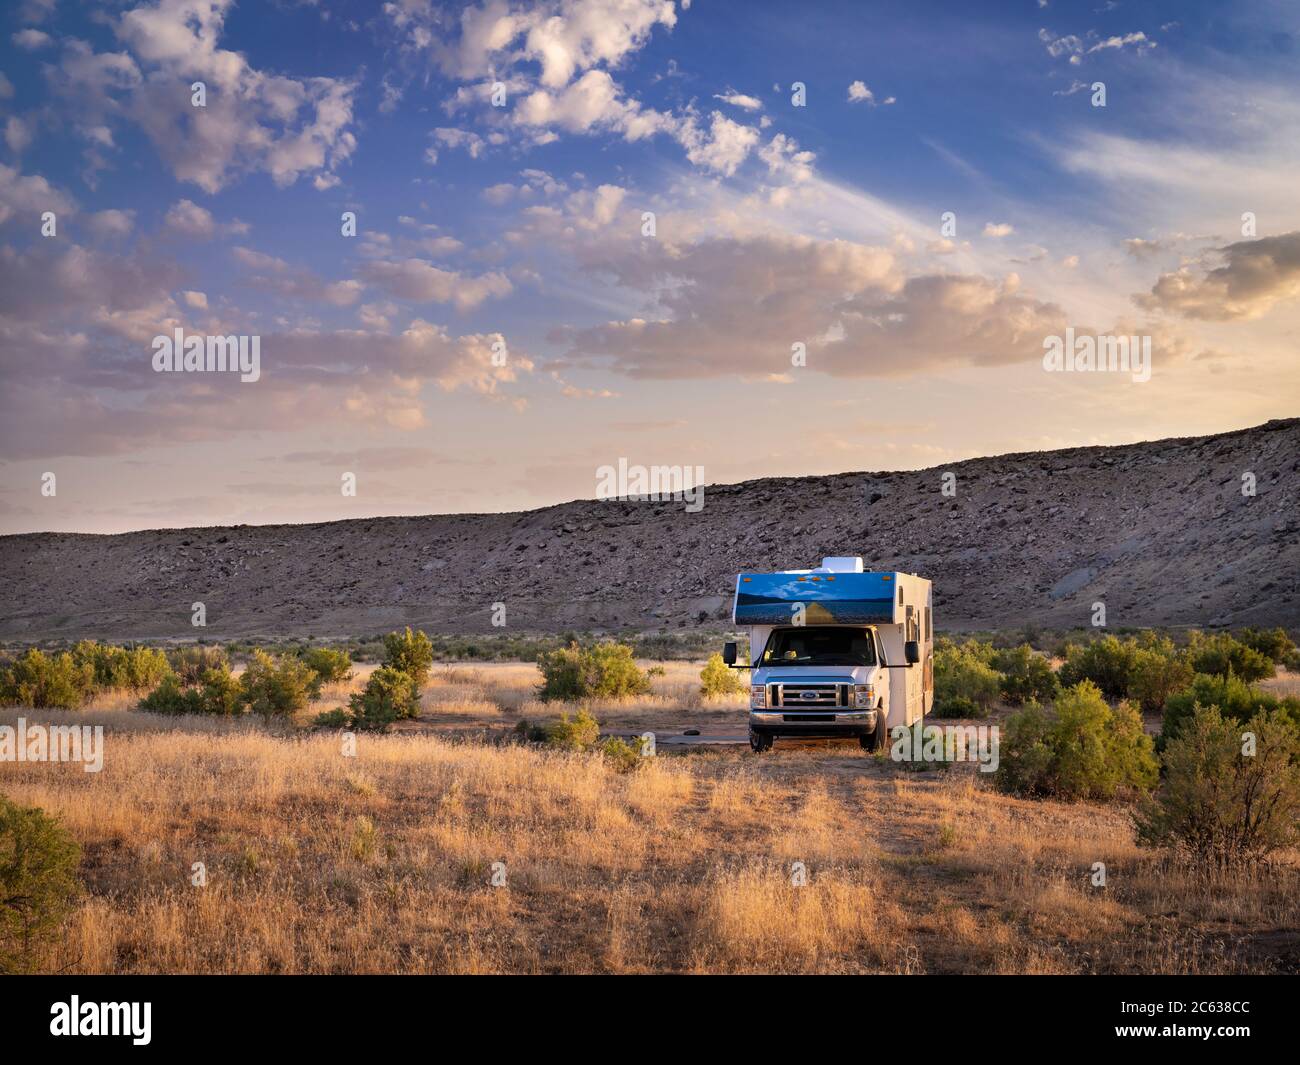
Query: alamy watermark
[
  {"x": 1089, "y": 353},
  {"x": 212, "y": 354},
  {"x": 656, "y": 483},
  {"x": 53, "y": 743},
  {"x": 946, "y": 743}
]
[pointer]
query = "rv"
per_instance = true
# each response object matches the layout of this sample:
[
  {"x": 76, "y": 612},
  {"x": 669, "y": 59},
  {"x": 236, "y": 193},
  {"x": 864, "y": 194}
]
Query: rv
[{"x": 836, "y": 652}]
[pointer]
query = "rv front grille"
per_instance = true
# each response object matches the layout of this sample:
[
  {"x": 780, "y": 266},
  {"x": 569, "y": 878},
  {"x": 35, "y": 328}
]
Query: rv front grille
[{"x": 797, "y": 696}]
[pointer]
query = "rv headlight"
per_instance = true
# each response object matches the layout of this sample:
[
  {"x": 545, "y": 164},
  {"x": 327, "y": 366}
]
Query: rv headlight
[
  {"x": 864, "y": 695},
  {"x": 757, "y": 696}
]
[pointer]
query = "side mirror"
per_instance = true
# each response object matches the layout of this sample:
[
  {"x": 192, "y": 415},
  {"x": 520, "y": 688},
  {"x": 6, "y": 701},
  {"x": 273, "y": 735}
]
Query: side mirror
[
  {"x": 912, "y": 652},
  {"x": 729, "y": 653}
]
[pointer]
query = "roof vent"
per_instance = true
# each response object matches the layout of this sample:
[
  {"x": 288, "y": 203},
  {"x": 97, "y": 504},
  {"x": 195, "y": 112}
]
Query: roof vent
[{"x": 842, "y": 564}]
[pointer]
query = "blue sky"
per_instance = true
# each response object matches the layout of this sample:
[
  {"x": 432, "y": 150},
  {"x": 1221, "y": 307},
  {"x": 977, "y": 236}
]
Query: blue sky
[{"x": 522, "y": 225}]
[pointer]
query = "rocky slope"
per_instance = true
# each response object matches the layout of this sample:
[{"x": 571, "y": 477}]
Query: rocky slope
[{"x": 1159, "y": 531}]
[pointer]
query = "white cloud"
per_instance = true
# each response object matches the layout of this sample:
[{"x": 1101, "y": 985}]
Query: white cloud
[
  {"x": 18, "y": 134},
  {"x": 998, "y": 229},
  {"x": 31, "y": 39},
  {"x": 420, "y": 281},
  {"x": 733, "y": 306},
  {"x": 253, "y": 120},
  {"x": 738, "y": 99},
  {"x": 784, "y": 158},
  {"x": 723, "y": 148},
  {"x": 1255, "y": 276},
  {"x": 187, "y": 219},
  {"x": 563, "y": 37},
  {"x": 112, "y": 223},
  {"x": 29, "y": 194}
]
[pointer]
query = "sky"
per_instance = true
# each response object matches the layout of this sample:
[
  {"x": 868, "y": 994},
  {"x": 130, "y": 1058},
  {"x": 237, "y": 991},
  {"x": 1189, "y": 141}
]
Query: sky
[{"x": 759, "y": 238}]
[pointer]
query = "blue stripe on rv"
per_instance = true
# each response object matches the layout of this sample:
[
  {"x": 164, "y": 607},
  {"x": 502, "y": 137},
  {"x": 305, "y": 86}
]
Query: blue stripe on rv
[{"x": 847, "y": 598}]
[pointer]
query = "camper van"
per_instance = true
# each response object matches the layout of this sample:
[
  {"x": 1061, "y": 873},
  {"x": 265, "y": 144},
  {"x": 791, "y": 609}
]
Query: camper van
[{"x": 836, "y": 652}]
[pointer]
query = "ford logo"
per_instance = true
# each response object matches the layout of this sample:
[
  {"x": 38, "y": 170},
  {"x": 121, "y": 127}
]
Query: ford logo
[{"x": 807, "y": 696}]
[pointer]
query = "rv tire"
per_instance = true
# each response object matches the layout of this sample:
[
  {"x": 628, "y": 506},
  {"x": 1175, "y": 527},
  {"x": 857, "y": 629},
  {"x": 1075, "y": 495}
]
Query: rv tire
[{"x": 875, "y": 741}]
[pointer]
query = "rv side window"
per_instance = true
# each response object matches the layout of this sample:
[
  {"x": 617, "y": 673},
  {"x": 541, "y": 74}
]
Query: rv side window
[
  {"x": 900, "y": 595},
  {"x": 928, "y": 634}
]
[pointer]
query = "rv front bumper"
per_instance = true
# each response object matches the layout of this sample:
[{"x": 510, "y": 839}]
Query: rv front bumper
[{"x": 813, "y": 723}]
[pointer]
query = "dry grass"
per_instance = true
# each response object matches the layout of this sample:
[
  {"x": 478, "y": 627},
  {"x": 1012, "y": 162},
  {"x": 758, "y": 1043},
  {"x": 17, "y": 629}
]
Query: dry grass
[{"x": 383, "y": 862}]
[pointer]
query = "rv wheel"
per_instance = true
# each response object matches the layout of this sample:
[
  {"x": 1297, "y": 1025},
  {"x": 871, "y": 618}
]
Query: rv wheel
[
  {"x": 758, "y": 742},
  {"x": 876, "y": 741}
]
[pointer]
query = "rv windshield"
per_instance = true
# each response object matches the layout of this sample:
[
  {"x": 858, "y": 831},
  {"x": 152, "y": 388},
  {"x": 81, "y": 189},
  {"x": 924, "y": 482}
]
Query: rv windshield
[{"x": 820, "y": 646}]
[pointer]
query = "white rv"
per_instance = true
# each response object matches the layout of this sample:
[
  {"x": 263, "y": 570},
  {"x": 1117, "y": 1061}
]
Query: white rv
[{"x": 836, "y": 652}]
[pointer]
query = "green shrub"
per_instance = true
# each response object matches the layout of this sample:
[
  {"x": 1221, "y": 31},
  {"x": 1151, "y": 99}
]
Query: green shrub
[
  {"x": 332, "y": 667},
  {"x": 170, "y": 698},
  {"x": 190, "y": 663},
  {"x": 1220, "y": 655},
  {"x": 1082, "y": 749},
  {"x": 38, "y": 883},
  {"x": 1026, "y": 675},
  {"x": 1109, "y": 663},
  {"x": 965, "y": 685},
  {"x": 145, "y": 667},
  {"x": 336, "y": 718},
  {"x": 717, "y": 678},
  {"x": 41, "y": 681},
  {"x": 411, "y": 652},
  {"x": 601, "y": 670},
  {"x": 1234, "y": 698},
  {"x": 132, "y": 668},
  {"x": 578, "y": 733},
  {"x": 389, "y": 695},
  {"x": 1273, "y": 644},
  {"x": 1220, "y": 804},
  {"x": 623, "y": 756},
  {"x": 220, "y": 693},
  {"x": 1157, "y": 674},
  {"x": 277, "y": 688}
]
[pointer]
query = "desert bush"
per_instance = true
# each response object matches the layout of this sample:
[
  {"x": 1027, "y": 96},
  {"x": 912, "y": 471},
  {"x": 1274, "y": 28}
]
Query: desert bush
[
  {"x": 389, "y": 695},
  {"x": 277, "y": 687},
  {"x": 1273, "y": 644},
  {"x": 332, "y": 667},
  {"x": 41, "y": 681},
  {"x": 965, "y": 685},
  {"x": 411, "y": 652},
  {"x": 1234, "y": 698},
  {"x": 38, "y": 883},
  {"x": 578, "y": 733},
  {"x": 1220, "y": 655},
  {"x": 601, "y": 670},
  {"x": 717, "y": 678},
  {"x": 1158, "y": 672},
  {"x": 145, "y": 667},
  {"x": 624, "y": 757},
  {"x": 1108, "y": 663},
  {"x": 171, "y": 698},
  {"x": 1026, "y": 675},
  {"x": 1222, "y": 802},
  {"x": 220, "y": 692},
  {"x": 1081, "y": 749},
  {"x": 132, "y": 668},
  {"x": 190, "y": 663}
]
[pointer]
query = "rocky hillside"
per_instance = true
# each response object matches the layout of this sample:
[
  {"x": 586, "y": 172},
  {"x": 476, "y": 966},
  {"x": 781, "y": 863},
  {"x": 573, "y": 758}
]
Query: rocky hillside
[{"x": 1160, "y": 532}]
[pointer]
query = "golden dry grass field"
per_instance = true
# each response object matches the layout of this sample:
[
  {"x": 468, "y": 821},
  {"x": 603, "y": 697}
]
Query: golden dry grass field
[{"x": 383, "y": 862}]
